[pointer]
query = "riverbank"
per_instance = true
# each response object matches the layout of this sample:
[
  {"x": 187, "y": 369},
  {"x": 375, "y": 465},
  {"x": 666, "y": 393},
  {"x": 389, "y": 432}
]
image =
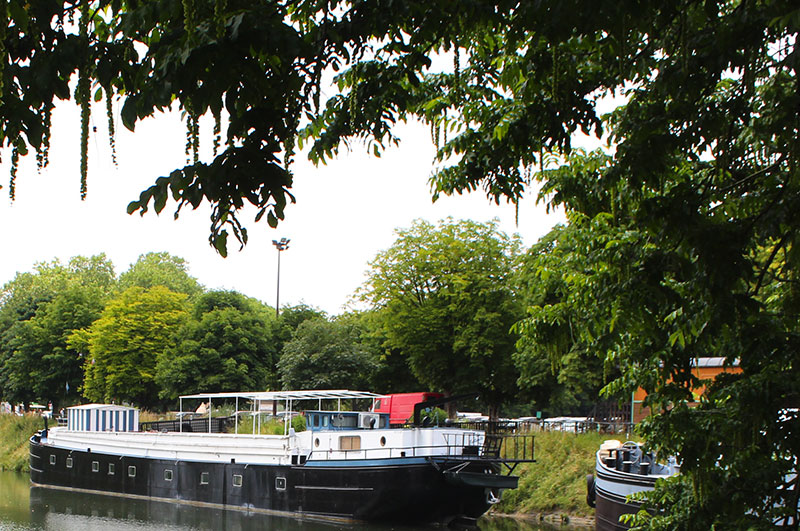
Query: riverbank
[
  {"x": 14, "y": 435},
  {"x": 552, "y": 490}
]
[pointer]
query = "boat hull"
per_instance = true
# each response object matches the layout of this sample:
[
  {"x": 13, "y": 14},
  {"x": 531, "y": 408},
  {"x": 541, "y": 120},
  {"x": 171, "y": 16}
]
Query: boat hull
[
  {"x": 611, "y": 491},
  {"x": 395, "y": 489}
]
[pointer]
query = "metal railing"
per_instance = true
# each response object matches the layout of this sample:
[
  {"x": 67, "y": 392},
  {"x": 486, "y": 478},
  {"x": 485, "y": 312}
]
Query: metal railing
[{"x": 195, "y": 425}]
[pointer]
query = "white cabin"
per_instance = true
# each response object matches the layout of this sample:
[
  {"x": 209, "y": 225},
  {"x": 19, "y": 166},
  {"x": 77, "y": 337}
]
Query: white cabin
[{"x": 102, "y": 417}]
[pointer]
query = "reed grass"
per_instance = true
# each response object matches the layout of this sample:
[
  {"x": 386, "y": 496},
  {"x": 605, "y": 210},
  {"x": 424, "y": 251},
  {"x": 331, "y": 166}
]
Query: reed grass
[{"x": 15, "y": 433}]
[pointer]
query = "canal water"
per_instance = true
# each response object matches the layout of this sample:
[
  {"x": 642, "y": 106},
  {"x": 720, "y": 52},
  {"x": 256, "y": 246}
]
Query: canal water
[{"x": 26, "y": 508}]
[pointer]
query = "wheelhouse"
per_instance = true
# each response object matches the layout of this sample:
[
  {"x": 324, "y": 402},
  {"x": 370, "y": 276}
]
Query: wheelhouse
[{"x": 345, "y": 420}]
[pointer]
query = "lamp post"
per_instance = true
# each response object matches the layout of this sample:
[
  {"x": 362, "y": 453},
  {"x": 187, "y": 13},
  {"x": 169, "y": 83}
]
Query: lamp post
[{"x": 281, "y": 245}]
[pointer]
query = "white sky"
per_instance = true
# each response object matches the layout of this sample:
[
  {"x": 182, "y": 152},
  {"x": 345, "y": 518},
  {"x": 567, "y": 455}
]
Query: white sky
[{"x": 346, "y": 212}]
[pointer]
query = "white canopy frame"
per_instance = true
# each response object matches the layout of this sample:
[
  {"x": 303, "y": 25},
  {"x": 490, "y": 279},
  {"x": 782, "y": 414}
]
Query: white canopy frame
[{"x": 287, "y": 397}]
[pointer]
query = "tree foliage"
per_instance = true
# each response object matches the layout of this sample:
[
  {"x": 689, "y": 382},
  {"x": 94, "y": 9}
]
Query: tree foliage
[
  {"x": 227, "y": 345},
  {"x": 328, "y": 355},
  {"x": 445, "y": 298},
  {"x": 38, "y": 311},
  {"x": 123, "y": 345},
  {"x": 549, "y": 287},
  {"x": 160, "y": 269}
]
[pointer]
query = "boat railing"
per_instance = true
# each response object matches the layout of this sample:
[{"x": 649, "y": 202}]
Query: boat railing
[
  {"x": 507, "y": 449},
  {"x": 189, "y": 425}
]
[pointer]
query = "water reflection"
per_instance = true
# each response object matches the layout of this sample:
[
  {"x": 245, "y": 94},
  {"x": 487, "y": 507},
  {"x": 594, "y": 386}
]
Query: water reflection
[
  {"x": 62, "y": 510},
  {"x": 27, "y": 508}
]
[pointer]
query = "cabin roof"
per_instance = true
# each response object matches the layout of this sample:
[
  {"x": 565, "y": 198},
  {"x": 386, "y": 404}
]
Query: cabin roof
[{"x": 108, "y": 407}]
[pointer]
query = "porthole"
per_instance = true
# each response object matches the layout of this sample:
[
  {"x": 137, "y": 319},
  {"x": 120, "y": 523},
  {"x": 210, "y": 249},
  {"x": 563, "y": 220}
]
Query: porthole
[
  {"x": 111, "y": 469},
  {"x": 52, "y": 459},
  {"x": 280, "y": 483},
  {"x": 69, "y": 462},
  {"x": 204, "y": 478},
  {"x": 237, "y": 480},
  {"x": 168, "y": 475},
  {"x": 316, "y": 442},
  {"x": 131, "y": 471},
  {"x": 95, "y": 466},
  {"x": 383, "y": 441}
]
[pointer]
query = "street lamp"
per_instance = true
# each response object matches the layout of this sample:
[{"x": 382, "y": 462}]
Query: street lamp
[{"x": 281, "y": 245}]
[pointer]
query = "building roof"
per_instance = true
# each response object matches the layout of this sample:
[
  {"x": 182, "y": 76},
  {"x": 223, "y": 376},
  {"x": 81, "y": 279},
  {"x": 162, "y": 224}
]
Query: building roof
[{"x": 713, "y": 362}]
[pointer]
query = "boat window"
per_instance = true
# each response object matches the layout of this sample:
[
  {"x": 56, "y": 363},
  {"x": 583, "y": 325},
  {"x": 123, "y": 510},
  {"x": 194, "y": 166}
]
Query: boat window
[
  {"x": 111, "y": 469},
  {"x": 69, "y": 462},
  {"x": 168, "y": 475},
  {"x": 316, "y": 442},
  {"x": 237, "y": 480},
  {"x": 95, "y": 466},
  {"x": 383, "y": 441},
  {"x": 204, "y": 478},
  {"x": 280, "y": 483},
  {"x": 350, "y": 442},
  {"x": 344, "y": 421},
  {"x": 325, "y": 421},
  {"x": 131, "y": 471},
  {"x": 52, "y": 459}
]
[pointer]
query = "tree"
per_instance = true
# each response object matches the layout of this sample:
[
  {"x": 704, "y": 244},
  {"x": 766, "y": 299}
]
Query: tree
[
  {"x": 160, "y": 269},
  {"x": 327, "y": 355},
  {"x": 39, "y": 311},
  {"x": 447, "y": 303},
  {"x": 125, "y": 342},
  {"x": 228, "y": 344},
  {"x": 561, "y": 372}
]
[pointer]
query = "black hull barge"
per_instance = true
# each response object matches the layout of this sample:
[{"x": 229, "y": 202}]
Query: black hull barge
[
  {"x": 345, "y": 466},
  {"x": 620, "y": 471}
]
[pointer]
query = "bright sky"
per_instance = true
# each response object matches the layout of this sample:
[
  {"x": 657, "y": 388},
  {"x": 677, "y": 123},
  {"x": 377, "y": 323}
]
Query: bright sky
[{"x": 346, "y": 212}]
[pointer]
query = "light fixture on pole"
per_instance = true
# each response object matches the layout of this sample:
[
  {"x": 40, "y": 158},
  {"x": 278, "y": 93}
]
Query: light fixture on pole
[{"x": 281, "y": 245}]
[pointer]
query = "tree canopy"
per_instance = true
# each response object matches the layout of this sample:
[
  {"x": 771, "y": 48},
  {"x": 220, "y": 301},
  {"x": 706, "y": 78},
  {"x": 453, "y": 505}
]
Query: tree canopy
[
  {"x": 124, "y": 344},
  {"x": 229, "y": 344},
  {"x": 328, "y": 355},
  {"x": 160, "y": 269},
  {"x": 445, "y": 298},
  {"x": 38, "y": 312}
]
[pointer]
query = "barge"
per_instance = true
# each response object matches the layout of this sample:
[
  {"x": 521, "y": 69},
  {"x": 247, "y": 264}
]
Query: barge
[
  {"x": 622, "y": 470},
  {"x": 346, "y": 465}
]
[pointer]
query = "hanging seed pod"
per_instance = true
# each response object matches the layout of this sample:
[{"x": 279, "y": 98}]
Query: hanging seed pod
[
  {"x": 3, "y": 25},
  {"x": 217, "y": 132},
  {"x": 195, "y": 139},
  {"x": 189, "y": 16},
  {"x": 219, "y": 17},
  {"x": 12, "y": 184},
  {"x": 111, "y": 130},
  {"x": 82, "y": 96}
]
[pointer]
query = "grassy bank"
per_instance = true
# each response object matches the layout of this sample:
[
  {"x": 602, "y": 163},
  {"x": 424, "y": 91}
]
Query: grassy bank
[
  {"x": 14, "y": 434},
  {"x": 556, "y": 482}
]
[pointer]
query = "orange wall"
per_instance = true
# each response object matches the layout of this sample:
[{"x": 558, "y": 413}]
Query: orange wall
[{"x": 703, "y": 373}]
